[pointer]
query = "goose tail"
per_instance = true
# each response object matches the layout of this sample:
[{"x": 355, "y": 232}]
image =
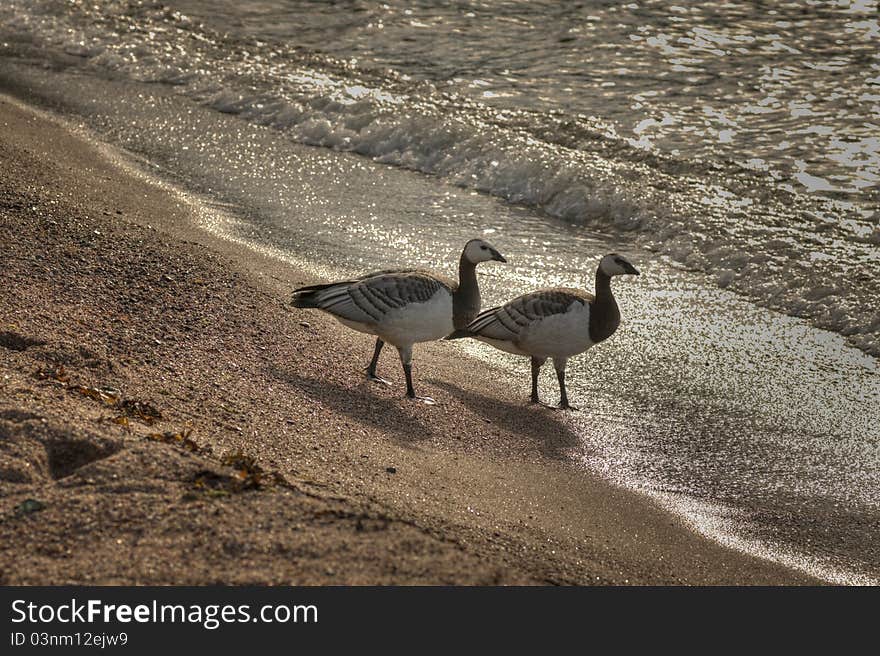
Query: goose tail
[{"x": 309, "y": 297}]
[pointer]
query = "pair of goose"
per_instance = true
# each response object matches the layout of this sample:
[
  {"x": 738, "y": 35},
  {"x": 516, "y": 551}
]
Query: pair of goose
[{"x": 404, "y": 307}]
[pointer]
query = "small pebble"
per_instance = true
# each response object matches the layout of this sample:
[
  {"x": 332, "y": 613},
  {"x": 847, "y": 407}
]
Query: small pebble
[
  {"x": 391, "y": 470},
  {"x": 29, "y": 506}
]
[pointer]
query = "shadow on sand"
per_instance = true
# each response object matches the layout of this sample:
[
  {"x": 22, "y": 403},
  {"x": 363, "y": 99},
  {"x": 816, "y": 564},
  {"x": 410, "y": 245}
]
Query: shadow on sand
[
  {"x": 361, "y": 403},
  {"x": 545, "y": 426}
]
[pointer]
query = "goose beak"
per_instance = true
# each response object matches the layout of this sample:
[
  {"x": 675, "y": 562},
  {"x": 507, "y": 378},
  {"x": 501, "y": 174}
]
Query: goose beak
[
  {"x": 498, "y": 257},
  {"x": 630, "y": 269}
]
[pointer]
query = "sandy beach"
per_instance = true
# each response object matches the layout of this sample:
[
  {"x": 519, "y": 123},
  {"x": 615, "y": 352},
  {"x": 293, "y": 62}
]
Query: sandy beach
[{"x": 167, "y": 418}]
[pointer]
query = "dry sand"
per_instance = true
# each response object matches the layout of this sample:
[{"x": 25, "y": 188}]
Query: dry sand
[{"x": 272, "y": 461}]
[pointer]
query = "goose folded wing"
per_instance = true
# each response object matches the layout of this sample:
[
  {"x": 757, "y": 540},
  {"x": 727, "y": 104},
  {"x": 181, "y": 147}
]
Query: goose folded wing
[
  {"x": 369, "y": 300},
  {"x": 508, "y": 321}
]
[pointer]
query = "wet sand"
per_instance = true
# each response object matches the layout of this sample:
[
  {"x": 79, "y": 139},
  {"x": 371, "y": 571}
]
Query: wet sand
[{"x": 272, "y": 460}]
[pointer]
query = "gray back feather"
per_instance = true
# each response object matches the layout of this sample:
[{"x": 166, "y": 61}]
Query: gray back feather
[
  {"x": 370, "y": 298},
  {"x": 508, "y": 321}
]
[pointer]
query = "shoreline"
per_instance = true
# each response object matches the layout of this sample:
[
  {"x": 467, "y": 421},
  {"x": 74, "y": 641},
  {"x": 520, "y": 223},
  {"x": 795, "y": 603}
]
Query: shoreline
[{"x": 110, "y": 277}]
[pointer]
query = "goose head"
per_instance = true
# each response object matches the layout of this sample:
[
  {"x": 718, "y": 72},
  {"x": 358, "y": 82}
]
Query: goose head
[
  {"x": 479, "y": 250},
  {"x": 617, "y": 265}
]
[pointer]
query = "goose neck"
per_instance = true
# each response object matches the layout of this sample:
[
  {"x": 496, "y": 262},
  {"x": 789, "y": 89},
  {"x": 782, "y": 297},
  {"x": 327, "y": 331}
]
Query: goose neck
[
  {"x": 467, "y": 274},
  {"x": 466, "y": 298},
  {"x": 603, "y": 287},
  {"x": 604, "y": 313}
]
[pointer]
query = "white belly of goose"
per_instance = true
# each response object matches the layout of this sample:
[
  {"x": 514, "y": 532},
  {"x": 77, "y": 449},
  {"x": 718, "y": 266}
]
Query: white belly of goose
[
  {"x": 559, "y": 335},
  {"x": 417, "y": 322}
]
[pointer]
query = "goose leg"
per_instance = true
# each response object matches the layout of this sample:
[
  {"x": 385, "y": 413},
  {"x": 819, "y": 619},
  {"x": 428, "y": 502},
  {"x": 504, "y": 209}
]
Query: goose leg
[
  {"x": 536, "y": 369},
  {"x": 371, "y": 368},
  {"x": 406, "y": 360},
  {"x": 559, "y": 365}
]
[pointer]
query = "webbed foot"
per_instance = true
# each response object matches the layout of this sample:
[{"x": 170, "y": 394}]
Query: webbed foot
[
  {"x": 427, "y": 400},
  {"x": 375, "y": 379}
]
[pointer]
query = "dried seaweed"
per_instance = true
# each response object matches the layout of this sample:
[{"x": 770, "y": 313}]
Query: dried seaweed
[
  {"x": 214, "y": 484},
  {"x": 104, "y": 395},
  {"x": 58, "y": 374},
  {"x": 180, "y": 438},
  {"x": 140, "y": 410},
  {"x": 247, "y": 475}
]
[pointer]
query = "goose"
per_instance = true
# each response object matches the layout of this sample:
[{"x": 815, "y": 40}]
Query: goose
[
  {"x": 404, "y": 306},
  {"x": 553, "y": 323}
]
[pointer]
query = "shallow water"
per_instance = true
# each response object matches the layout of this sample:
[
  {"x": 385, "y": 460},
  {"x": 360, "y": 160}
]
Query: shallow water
[
  {"x": 793, "y": 87},
  {"x": 759, "y": 428}
]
